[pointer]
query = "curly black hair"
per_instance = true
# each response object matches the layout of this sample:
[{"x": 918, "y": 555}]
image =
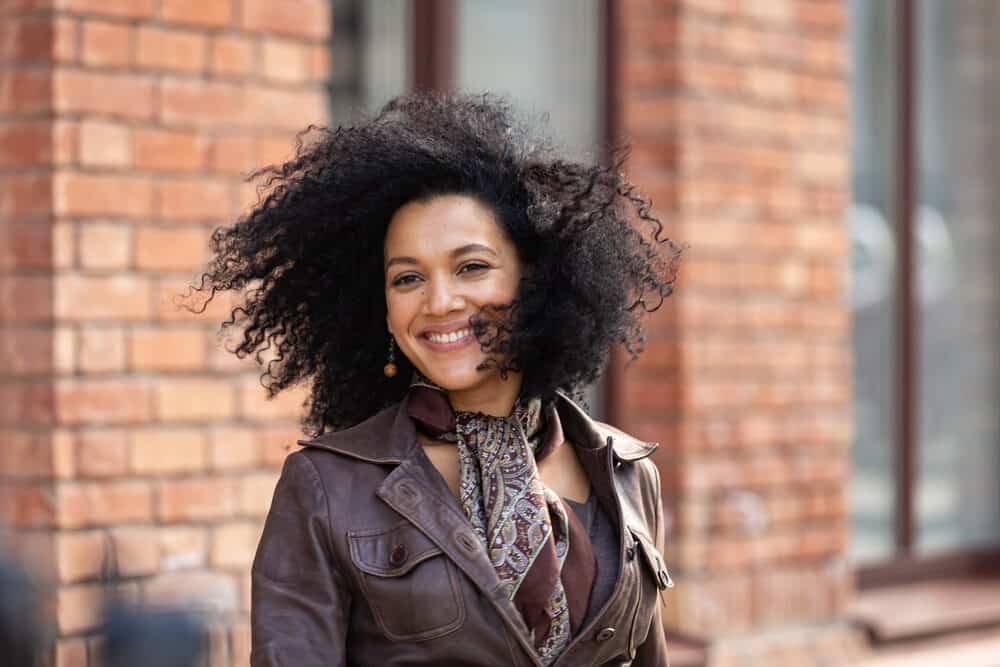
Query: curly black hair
[{"x": 309, "y": 254}]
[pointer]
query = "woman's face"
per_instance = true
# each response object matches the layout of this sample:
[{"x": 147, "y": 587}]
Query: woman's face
[{"x": 446, "y": 258}]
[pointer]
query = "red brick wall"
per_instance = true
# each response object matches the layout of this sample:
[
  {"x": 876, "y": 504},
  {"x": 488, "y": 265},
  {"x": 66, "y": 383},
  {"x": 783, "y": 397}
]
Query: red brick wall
[
  {"x": 738, "y": 117},
  {"x": 126, "y": 127}
]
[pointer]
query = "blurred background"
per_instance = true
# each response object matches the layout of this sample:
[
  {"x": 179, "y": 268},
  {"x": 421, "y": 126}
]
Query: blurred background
[{"x": 825, "y": 383}]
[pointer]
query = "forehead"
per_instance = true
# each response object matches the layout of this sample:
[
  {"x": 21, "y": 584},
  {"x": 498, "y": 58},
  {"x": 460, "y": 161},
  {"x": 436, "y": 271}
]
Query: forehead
[{"x": 441, "y": 224}]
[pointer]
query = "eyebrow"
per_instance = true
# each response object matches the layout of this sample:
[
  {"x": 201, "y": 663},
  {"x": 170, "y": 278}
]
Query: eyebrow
[
  {"x": 472, "y": 247},
  {"x": 457, "y": 252}
]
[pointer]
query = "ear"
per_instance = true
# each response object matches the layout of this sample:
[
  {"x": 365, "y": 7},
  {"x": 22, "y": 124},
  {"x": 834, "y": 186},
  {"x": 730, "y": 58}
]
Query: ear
[{"x": 387, "y": 325}]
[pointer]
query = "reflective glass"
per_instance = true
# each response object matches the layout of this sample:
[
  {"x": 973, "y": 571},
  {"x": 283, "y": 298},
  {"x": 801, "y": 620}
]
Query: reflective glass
[
  {"x": 958, "y": 242},
  {"x": 546, "y": 56},
  {"x": 874, "y": 278}
]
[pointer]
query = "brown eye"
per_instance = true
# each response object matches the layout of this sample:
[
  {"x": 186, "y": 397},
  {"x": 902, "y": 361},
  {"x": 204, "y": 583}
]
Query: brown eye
[
  {"x": 473, "y": 266},
  {"x": 405, "y": 279}
]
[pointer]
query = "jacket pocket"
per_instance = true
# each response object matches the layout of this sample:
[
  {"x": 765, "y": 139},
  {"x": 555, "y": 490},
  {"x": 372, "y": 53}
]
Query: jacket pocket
[
  {"x": 411, "y": 586},
  {"x": 653, "y": 578},
  {"x": 653, "y": 561}
]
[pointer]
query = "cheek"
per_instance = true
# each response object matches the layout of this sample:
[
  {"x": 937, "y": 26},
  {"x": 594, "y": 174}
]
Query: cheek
[
  {"x": 400, "y": 310},
  {"x": 493, "y": 292},
  {"x": 394, "y": 312},
  {"x": 507, "y": 288}
]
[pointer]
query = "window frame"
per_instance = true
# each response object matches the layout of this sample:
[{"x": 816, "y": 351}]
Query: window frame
[
  {"x": 906, "y": 566},
  {"x": 434, "y": 38}
]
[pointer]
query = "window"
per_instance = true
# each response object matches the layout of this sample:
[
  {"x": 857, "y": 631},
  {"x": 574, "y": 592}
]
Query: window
[
  {"x": 925, "y": 294},
  {"x": 546, "y": 57},
  {"x": 552, "y": 68},
  {"x": 372, "y": 55}
]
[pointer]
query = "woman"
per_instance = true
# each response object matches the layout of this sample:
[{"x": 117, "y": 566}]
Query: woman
[{"x": 444, "y": 285}]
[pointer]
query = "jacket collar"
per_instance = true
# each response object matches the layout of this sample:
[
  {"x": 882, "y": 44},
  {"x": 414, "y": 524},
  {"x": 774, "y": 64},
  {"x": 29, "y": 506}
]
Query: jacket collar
[
  {"x": 389, "y": 436},
  {"x": 386, "y": 437},
  {"x": 585, "y": 432}
]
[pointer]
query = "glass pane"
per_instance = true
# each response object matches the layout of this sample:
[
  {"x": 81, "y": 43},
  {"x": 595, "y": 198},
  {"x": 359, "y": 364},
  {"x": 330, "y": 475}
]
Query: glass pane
[
  {"x": 388, "y": 47},
  {"x": 548, "y": 58},
  {"x": 371, "y": 55},
  {"x": 874, "y": 279},
  {"x": 958, "y": 242}
]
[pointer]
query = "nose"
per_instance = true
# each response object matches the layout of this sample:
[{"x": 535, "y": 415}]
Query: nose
[{"x": 442, "y": 297}]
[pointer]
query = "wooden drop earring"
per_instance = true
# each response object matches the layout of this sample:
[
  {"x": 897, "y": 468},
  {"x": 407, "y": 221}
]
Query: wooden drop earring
[{"x": 390, "y": 369}]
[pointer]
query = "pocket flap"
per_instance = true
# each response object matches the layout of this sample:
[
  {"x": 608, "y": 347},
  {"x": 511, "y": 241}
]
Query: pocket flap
[
  {"x": 390, "y": 552},
  {"x": 653, "y": 559}
]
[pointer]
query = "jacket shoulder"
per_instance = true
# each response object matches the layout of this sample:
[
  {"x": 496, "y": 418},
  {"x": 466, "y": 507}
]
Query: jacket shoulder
[
  {"x": 626, "y": 447},
  {"x": 382, "y": 438}
]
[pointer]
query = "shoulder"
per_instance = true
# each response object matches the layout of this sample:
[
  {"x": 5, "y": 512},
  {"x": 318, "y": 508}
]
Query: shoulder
[
  {"x": 627, "y": 447},
  {"x": 349, "y": 466},
  {"x": 336, "y": 469},
  {"x": 633, "y": 451},
  {"x": 385, "y": 437},
  {"x": 636, "y": 474}
]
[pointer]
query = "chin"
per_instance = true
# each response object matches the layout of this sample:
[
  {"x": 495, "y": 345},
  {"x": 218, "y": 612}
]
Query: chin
[{"x": 456, "y": 379}]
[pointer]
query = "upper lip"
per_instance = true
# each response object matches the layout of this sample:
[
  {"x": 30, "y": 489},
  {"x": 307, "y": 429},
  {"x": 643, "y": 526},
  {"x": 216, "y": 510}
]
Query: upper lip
[{"x": 445, "y": 328}]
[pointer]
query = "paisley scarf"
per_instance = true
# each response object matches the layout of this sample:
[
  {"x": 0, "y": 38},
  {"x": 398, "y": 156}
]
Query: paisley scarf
[{"x": 541, "y": 552}]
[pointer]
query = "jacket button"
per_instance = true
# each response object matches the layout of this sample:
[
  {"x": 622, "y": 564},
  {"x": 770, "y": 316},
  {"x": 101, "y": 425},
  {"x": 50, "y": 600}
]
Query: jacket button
[
  {"x": 398, "y": 555},
  {"x": 604, "y": 634}
]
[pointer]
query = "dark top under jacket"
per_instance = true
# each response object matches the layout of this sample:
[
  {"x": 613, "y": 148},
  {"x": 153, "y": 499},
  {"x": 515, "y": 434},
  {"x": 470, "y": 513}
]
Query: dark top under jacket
[
  {"x": 366, "y": 558},
  {"x": 605, "y": 543}
]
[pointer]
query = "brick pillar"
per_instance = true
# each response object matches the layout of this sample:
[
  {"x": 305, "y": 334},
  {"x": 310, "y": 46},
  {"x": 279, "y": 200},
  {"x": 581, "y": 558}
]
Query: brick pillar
[
  {"x": 29, "y": 460},
  {"x": 738, "y": 117},
  {"x": 127, "y": 127}
]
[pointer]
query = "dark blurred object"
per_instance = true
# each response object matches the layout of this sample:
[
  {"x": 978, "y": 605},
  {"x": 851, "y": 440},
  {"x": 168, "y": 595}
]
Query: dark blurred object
[
  {"x": 153, "y": 638},
  {"x": 21, "y": 628}
]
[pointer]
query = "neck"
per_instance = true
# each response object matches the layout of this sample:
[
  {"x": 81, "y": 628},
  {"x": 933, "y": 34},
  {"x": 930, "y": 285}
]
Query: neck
[{"x": 492, "y": 398}]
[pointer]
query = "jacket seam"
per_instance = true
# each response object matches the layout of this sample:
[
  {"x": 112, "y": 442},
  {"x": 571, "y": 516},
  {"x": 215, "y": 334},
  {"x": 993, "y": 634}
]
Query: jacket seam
[
  {"x": 657, "y": 506},
  {"x": 331, "y": 548},
  {"x": 308, "y": 444}
]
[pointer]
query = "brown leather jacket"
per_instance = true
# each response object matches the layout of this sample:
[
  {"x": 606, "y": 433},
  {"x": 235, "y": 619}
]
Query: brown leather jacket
[{"x": 368, "y": 559}]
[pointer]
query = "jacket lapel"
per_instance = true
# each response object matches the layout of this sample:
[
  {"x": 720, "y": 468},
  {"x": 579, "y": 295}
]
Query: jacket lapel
[{"x": 415, "y": 490}]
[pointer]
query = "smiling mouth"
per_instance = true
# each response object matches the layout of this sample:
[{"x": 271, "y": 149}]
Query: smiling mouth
[{"x": 450, "y": 337}]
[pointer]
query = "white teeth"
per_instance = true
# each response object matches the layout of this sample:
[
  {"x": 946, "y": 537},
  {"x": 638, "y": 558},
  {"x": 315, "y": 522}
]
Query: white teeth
[{"x": 449, "y": 337}]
